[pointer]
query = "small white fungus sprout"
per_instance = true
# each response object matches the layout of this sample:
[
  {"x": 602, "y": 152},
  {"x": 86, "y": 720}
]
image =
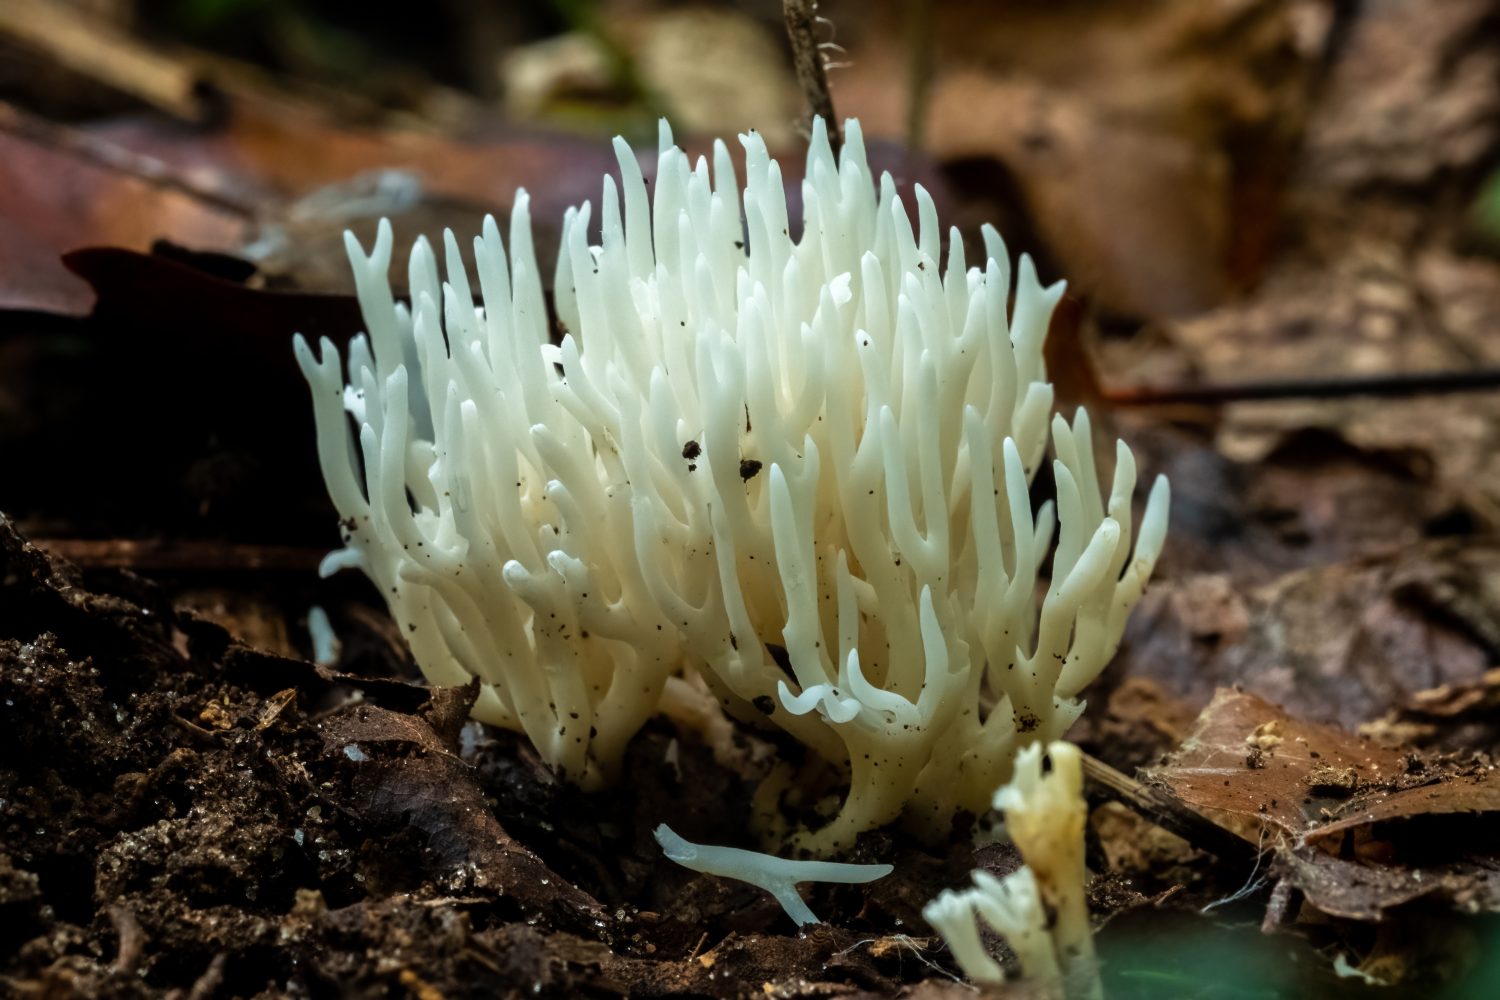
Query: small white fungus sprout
[
  {"x": 778, "y": 876},
  {"x": 1041, "y": 909},
  {"x": 325, "y": 642},
  {"x": 797, "y": 466}
]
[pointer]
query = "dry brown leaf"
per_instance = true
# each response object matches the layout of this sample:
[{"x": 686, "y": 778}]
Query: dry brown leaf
[
  {"x": 1359, "y": 891},
  {"x": 1369, "y": 280},
  {"x": 1478, "y": 792},
  {"x": 1248, "y": 758},
  {"x": 1344, "y": 642},
  {"x": 1453, "y": 700},
  {"x": 1413, "y": 94},
  {"x": 1096, "y": 219},
  {"x": 55, "y": 200},
  {"x": 1357, "y": 827},
  {"x": 1448, "y": 717}
]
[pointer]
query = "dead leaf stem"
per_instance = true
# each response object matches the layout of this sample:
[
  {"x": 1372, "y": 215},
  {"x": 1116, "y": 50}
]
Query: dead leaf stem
[{"x": 807, "y": 57}]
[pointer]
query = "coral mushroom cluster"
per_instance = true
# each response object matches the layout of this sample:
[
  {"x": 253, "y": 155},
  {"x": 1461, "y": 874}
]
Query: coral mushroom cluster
[{"x": 797, "y": 465}]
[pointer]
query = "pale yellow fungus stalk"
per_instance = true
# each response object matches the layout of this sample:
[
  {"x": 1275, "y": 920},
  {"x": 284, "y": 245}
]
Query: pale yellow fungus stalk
[{"x": 1041, "y": 910}]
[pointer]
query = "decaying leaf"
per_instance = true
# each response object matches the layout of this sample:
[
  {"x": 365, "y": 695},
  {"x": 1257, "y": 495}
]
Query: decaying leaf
[
  {"x": 1450, "y": 716},
  {"x": 1358, "y": 891},
  {"x": 1358, "y": 827},
  {"x": 53, "y": 200},
  {"x": 1249, "y": 759},
  {"x": 404, "y": 774},
  {"x": 1342, "y": 642}
]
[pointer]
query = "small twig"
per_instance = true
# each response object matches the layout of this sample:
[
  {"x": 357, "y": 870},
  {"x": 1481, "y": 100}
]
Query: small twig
[
  {"x": 909, "y": 943},
  {"x": 807, "y": 57},
  {"x": 1278, "y": 906},
  {"x": 474, "y": 955},
  {"x": 1170, "y": 814},
  {"x": 919, "y": 67},
  {"x": 1336, "y": 387}
]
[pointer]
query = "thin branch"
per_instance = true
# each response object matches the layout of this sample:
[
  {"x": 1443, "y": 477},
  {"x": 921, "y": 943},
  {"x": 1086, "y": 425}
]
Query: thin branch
[
  {"x": 919, "y": 67},
  {"x": 807, "y": 57},
  {"x": 1336, "y": 387},
  {"x": 208, "y": 983}
]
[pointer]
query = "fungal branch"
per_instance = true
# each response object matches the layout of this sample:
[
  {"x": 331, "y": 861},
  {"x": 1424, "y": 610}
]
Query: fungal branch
[
  {"x": 798, "y": 467},
  {"x": 777, "y": 876},
  {"x": 1041, "y": 910}
]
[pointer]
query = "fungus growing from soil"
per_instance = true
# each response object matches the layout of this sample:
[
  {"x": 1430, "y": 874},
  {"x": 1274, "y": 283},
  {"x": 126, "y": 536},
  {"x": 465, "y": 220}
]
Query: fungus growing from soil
[
  {"x": 778, "y": 876},
  {"x": 798, "y": 467},
  {"x": 1041, "y": 909}
]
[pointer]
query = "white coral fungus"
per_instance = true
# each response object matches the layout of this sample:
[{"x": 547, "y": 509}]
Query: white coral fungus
[
  {"x": 778, "y": 876},
  {"x": 1041, "y": 909},
  {"x": 798, "y": 466}
]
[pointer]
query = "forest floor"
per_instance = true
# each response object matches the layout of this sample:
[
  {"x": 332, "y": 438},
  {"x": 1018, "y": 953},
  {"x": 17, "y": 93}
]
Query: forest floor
[{"x": 1284, "y": 233}]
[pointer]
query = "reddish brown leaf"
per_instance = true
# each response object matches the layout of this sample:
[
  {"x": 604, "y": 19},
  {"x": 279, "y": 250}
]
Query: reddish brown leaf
[
  {"x": 54, "y": 200},
  {"x": 1464, "y": 795},
  {"x": 1248, "y": 758},
  {"x": 1332, "y": 800}
]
